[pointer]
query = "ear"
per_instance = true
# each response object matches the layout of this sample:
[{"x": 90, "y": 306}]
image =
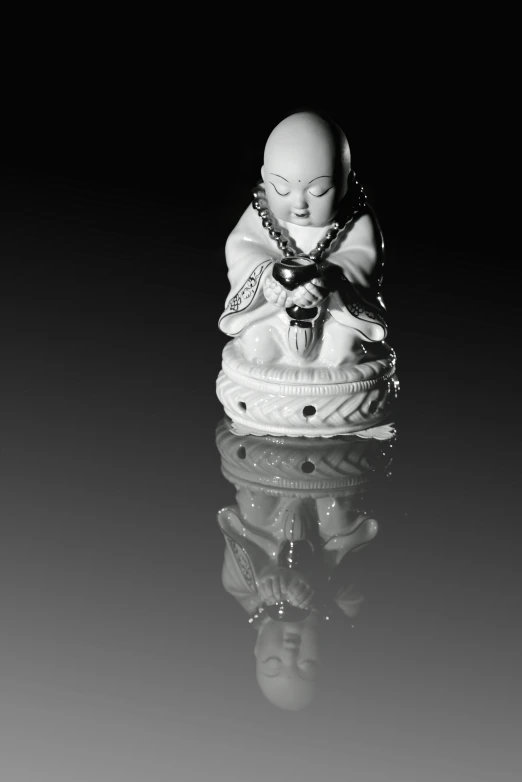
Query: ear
[{"x": 263, "y": 173}]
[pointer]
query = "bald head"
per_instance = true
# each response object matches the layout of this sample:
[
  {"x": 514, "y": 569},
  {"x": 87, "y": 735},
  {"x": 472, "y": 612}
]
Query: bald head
[
  {"x": 287, "y": 691},
  {"x": 306, "y": 158},
  {"x": 309, "y": 137}
]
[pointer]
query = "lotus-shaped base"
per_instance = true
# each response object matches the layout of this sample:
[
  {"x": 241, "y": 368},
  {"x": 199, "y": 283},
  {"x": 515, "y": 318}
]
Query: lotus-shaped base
[{"x": 316, "y": 401}]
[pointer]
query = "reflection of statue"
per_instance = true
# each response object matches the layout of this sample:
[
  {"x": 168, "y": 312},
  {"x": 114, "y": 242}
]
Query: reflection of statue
[
  {"x": 301, "y": 508},
  {"x": 305, "y": 267}
]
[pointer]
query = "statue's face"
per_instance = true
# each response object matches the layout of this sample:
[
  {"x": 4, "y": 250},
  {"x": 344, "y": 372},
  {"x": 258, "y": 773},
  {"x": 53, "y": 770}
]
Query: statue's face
[
  {"x": 301, "y": 184},
  {"x": 285, "y": 646},
  {"x": 286, "y": 661}
]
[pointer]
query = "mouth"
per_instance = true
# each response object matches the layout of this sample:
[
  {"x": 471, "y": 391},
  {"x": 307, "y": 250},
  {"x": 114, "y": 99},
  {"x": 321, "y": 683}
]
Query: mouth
[
  {"x": 291, "y": 641},
  {"x": 301, "y": 214}
]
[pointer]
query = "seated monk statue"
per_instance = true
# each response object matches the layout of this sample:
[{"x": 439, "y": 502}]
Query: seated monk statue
[{"x": 309, "y": 204}]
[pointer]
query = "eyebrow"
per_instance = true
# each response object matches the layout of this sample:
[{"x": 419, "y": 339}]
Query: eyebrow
[
  {"x": 323, "y": 176},
  {"x": 279, "y": 175}
]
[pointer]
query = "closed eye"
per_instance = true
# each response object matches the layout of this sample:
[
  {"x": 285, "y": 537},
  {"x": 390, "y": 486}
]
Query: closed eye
[
  {"x": 274, "y": 666},
  {"x": 277, "y": 191},
  {"x": 320, "y": 195}
]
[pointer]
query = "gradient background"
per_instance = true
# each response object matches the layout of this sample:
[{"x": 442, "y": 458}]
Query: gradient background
[{"x": 121, "y": 656}]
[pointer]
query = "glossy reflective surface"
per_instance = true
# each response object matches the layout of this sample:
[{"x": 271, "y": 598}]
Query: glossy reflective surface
[{"x": 124, "y": 654}]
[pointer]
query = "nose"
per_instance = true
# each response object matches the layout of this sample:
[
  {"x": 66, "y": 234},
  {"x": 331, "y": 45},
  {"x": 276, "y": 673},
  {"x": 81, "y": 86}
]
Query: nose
[
  {"x": 289, "y": 657},
  {"x": 300, "y": 201}
]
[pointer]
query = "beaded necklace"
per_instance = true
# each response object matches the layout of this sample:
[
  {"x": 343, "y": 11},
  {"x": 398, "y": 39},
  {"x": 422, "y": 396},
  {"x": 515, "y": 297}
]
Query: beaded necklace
[{"x": 353, "y": 204}]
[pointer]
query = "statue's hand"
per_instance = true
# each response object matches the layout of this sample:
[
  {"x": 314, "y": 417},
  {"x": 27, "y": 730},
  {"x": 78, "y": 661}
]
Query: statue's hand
[
  {"x": 278, "y": 583},
  {"x": 269, "y": 585},
  {"x": 299, "y": 593},
  {"x": 275, "y": 293},
  {"x": 310, "y": 294}
]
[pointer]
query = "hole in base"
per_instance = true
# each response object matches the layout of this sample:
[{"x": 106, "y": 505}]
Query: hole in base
[
  {"x": 242, "y": 405},
  {"x": 308, "y": 467},
  {"x": 241, "y": 452},
  {"x": 309, "y": 411}
]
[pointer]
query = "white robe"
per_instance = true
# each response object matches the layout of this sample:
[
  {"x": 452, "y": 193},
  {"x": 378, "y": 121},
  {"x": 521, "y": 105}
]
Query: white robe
[
  {"x": 248, "y": 550},
  {"x": 347, "y": 316}
]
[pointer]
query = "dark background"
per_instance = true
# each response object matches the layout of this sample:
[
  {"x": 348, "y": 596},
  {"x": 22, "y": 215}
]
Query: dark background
[
  {"x": 122, "y": 656},
  {"x": 179, "y": 134}
]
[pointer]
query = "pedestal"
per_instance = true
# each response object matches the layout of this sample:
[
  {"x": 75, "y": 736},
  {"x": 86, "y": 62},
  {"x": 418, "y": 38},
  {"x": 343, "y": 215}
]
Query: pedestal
[{"x": 312, "y": 401}]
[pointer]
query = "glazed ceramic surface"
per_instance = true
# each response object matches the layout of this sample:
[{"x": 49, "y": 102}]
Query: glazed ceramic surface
[{"x": 308, "y": 355}]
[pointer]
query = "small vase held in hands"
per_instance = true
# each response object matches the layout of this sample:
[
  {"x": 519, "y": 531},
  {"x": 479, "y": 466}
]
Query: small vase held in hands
[{"x": 291, "y": 273}]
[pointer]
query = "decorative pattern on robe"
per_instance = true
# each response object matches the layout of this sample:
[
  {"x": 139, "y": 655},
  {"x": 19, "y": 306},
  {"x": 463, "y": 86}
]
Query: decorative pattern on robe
[
  {"x": 243, "y": 562},
  {"x": 247, "y": 293}
]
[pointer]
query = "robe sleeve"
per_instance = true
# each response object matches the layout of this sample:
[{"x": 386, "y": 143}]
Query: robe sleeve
[
  {"x": 243, "y": 560},
  {"x": 358, "y": 255},
  {"x": 235, "y": 584},
  {"x": 250, "y": 255},
  {"x": 349, "y": 601}
]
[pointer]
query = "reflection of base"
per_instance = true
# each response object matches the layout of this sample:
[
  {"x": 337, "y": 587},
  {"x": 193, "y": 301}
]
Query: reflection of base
[
  {"x": 306, "y": 401},
  {"x": 297, "y": 467}
]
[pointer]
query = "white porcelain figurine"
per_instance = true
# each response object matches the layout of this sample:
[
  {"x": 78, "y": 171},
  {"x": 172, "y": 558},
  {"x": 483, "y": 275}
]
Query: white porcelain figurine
[{"x": 308, "y": 356}]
